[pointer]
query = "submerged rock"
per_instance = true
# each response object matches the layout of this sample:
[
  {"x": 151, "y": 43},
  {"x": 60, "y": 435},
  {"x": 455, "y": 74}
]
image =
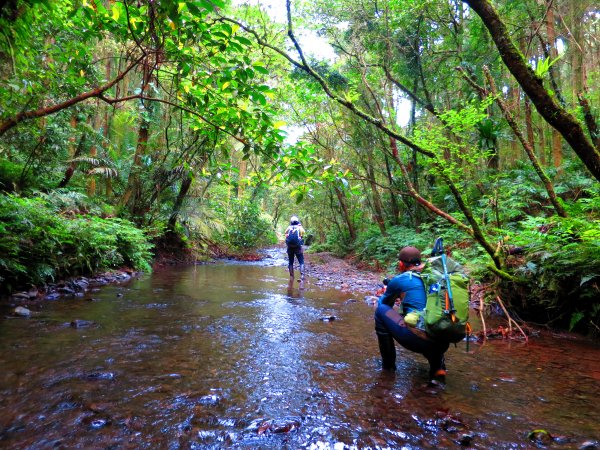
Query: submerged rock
[{"x": 79, "y": 323}]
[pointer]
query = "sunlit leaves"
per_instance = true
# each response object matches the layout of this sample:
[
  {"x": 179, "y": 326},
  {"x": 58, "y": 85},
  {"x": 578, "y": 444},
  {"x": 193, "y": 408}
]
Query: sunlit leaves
[{"x": 452, "y": 141}]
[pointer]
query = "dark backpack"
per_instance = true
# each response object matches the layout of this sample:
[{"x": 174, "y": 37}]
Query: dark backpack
[{"x": 293, "y": 238}]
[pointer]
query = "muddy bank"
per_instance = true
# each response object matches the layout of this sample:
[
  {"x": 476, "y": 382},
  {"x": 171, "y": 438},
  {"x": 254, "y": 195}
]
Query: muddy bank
[{"x": 332, "y": 271}]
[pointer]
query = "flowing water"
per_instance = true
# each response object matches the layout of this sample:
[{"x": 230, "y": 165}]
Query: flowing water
[{"x": 231, "y": 355}]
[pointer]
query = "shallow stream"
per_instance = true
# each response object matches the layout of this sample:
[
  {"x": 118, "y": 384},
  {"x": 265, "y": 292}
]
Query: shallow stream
[{"x": 232, "y": 355}]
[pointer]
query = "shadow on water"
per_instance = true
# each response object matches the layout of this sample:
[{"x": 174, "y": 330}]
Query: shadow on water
[{"x": 233, "y": 355}]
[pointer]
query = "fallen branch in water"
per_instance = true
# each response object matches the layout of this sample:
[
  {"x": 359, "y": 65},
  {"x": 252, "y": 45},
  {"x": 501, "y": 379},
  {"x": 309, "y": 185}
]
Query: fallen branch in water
[
  {"x": 510, "y": 319},
  {"x": 481, "y": 307}
]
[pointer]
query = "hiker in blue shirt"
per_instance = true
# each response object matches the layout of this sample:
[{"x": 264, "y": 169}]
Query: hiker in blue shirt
[
  {"x": 409, "y": 290},
  {"x": 294, "y": 240}
]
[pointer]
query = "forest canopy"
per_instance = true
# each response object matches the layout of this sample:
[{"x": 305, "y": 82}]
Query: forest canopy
[{"x": 208, "y": 123}]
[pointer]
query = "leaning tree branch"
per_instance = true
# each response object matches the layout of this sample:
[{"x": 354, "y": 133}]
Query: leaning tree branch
[
  {"x": 305, "y": 67},
  {"x": 555, "y": 115},
  {"x": 42, "y": 112},
  {"x": 196, "y": 114}
]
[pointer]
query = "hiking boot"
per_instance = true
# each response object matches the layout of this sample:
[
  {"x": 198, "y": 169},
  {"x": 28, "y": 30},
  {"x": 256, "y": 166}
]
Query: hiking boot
[
  {"x": 388, "y": 367},
  {"x": 439, "y": 377}
]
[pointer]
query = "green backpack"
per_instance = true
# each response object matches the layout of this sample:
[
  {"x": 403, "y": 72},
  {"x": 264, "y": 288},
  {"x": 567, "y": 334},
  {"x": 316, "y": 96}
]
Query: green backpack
[{"x": 447, "y": 310}]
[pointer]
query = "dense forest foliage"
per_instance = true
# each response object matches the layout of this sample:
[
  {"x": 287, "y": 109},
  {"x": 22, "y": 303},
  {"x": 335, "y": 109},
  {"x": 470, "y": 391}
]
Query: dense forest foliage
[{"x": 128, "y": 127}]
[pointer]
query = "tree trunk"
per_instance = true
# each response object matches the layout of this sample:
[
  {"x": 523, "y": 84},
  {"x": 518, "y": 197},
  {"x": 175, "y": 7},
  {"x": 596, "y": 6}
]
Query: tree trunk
[
  {"x": 393, "y": 199},
  {"x": 575, "y": 48},
  {"x": 74, "y": 152},
  {"x": 553, "y": 54},
  {"x": 186, "y": 184},
  {"x": 133, "y": 194},
  {"x": 345, "y": 213},
  {"x": 91, "y": 182},
  {"x": 377, "y": 204},
  {"x": 529, "y": 124}
]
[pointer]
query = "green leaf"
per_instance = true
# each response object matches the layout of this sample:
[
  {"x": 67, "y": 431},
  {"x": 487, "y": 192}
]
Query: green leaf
[
  {"x": 243, "y": 40},
  {"x": 206, "y": 4},
  {"x": 257, "y": 96},
  {"x": 261, "y": 69},
  {"x": 586, "y": 279}
]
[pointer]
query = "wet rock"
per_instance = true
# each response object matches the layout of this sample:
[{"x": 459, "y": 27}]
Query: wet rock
[
  {"x": 96, "y": 424},
  {"x": 65, "y": 290},
  {"x": 101, "y": 375},
  {"x": 540, "y": 437},
  {"x": 52, "y": 296},
  {"x": 466, "y": 439},
  {"x": 19, "y": 296},
  {"x": 589, "y": 445},
  {"x": 328, "y": 318},
  {"x": 79, "y": 323},
  {"x": 284, "y": 426},
  {"x": 67, "y": 405},
  {"x": 278, "y": 426},
  {"x": 80, "y": 284},
  {"x": 210, "y": 400},
  {"x": 21, "y": 311},
  {"x": 371, "y": 300}
]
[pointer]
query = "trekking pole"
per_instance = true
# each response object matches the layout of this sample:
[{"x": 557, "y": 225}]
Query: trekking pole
[{"x": 438, "y": 249}]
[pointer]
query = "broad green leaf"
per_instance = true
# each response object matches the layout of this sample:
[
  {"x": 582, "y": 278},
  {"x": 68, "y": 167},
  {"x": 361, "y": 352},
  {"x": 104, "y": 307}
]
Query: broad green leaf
[
  {"x": 260, "y": 69},
  {"x": 115, "y": 12}
]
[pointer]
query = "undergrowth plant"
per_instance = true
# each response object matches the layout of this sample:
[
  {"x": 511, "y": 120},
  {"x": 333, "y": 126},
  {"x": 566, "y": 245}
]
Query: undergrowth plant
[
  {"x": 561, "y": 268},
  {"x": 246, "y": 227},
  {"x": 38, "y": 244}
]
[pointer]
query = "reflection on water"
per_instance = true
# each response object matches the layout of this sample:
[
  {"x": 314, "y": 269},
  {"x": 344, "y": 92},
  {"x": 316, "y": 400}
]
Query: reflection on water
[{"x": 239, "y": 356}]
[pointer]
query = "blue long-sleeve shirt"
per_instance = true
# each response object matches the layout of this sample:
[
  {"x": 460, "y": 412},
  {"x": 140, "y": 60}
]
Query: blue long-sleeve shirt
[{"x": 413, "y": 288}]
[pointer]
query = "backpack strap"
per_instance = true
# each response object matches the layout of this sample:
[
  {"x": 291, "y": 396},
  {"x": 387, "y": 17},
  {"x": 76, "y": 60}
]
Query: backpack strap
[{"x": 411, "y": 274}]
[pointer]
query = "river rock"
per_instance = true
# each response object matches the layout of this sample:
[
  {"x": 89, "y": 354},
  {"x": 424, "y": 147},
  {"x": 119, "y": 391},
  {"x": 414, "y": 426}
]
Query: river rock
[
  {"x": 21, "y": 311},
  {"x": 371, "y": 300},
  {"x": 210, "y": 400},
  {"x": 101, "y": 375},
  {"x": 79, "y": 323},
  {"x": 328, "y": 318}
]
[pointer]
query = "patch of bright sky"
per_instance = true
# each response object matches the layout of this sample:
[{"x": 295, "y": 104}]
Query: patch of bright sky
[
  {"x": 317, "y": 47},
  {"x": 311, "y": 43}
]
